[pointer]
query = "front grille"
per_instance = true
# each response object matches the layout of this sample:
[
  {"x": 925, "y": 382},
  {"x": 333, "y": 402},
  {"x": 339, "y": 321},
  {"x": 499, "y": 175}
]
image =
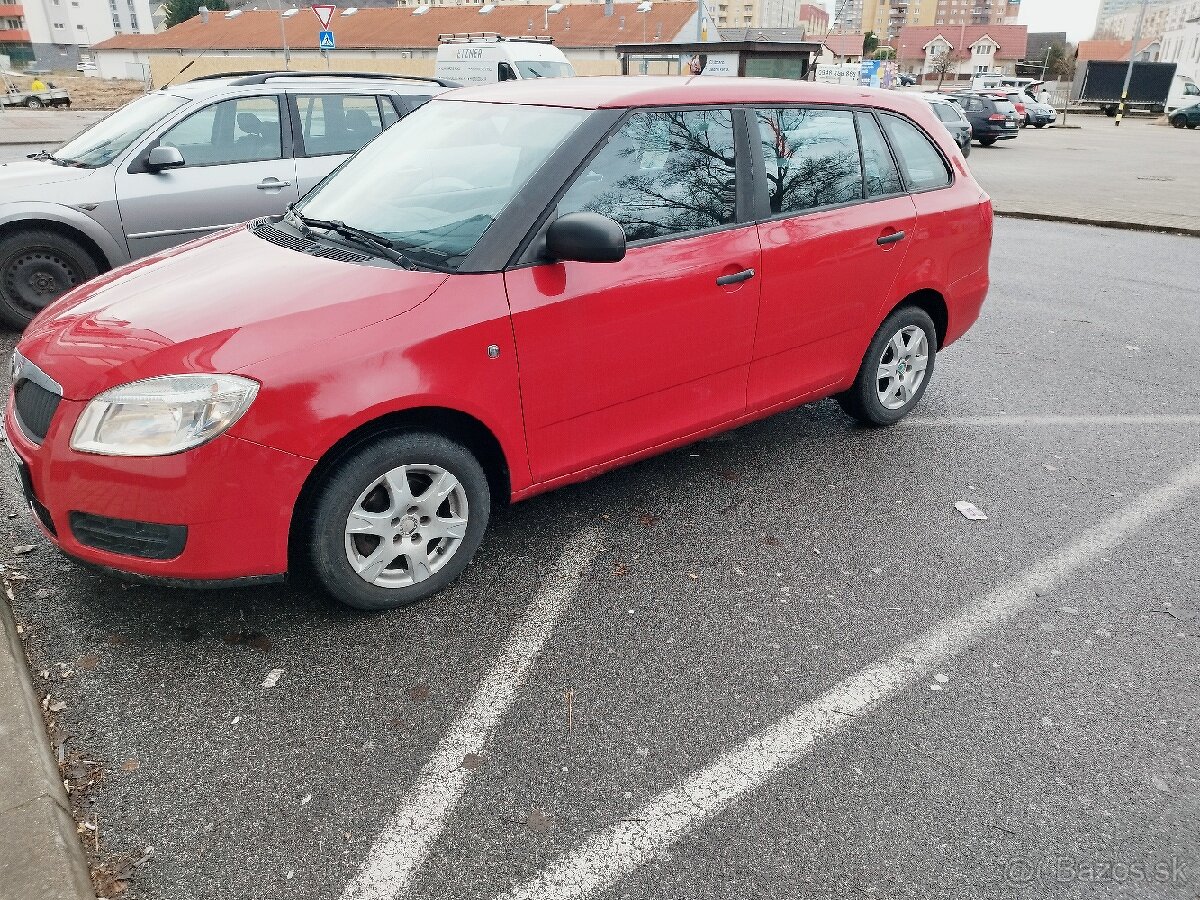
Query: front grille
[
  {"x": 147, "y": 540},
  {"x": 35, "y": 407},
  {"x": 268, "y": 232}
]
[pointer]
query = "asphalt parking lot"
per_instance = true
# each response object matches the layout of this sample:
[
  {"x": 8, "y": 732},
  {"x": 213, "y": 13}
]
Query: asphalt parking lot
[{"x": 775, "y": 664}]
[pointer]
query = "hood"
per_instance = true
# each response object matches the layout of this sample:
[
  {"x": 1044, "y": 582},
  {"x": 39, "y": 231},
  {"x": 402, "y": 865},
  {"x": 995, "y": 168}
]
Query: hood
[
  {"x": 216, "y": 305},
  {"x": 35, "y": 173}
]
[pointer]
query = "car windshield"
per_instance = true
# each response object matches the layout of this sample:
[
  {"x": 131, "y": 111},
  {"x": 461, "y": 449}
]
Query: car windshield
[
  {"x": 435, "y": 181},
  {"x": 531, "y": 68},
  {"x": 109, "y": 137}
]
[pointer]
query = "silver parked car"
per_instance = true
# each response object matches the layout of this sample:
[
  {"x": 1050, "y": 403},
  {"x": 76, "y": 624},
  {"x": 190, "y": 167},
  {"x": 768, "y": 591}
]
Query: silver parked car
[{"x": 180, "y": 163}]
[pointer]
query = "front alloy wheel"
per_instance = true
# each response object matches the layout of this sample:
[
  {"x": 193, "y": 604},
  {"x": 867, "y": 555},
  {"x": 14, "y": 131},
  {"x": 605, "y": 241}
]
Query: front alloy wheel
[
  {"x": 406, "y": 526},
  {"x": 397, "y": 520}
]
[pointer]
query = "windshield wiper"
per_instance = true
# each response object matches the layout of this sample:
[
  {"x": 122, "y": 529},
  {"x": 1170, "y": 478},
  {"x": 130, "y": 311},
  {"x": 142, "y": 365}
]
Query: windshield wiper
[
  {"x": 41, "y": 154},
  {"x": 360, "y": 236}
]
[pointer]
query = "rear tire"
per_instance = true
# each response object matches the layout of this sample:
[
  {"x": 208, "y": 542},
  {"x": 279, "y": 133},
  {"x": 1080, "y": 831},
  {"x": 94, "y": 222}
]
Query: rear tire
[
  {"x": 986, "y": 142},
  {"x": 966, "y": 149},
  {"x": 36, "y": 268},
  {"x": 398, "y": 520},
  {"x": 1040, "y": 125},
  {"x": 904, "y": 347}
]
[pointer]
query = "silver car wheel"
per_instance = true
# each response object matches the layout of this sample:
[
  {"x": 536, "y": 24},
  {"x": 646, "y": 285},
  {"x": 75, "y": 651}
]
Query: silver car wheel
[
  {"x": 406, "y": 525},
  {"x": 902, "y": 367}
]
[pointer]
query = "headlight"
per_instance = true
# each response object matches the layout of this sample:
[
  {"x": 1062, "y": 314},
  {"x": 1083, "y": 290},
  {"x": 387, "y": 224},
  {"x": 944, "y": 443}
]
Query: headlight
[{"x": 161, "y": 416}]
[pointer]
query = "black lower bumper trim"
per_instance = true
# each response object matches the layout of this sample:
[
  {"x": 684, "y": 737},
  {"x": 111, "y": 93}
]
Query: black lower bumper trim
[
  {"x": 194, "y": 584},
  {"x": 145, "y": 540}
]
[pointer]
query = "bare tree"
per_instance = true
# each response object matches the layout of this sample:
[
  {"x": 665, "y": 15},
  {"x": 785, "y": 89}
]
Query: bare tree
[{"x": 943, "y": 64}]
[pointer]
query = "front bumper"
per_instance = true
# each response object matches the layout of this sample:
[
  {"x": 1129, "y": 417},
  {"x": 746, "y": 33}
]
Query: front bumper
[{"x": 235, "y": 498}]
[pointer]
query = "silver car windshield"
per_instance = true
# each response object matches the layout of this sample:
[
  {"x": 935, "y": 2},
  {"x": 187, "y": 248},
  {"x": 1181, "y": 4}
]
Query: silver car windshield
[
  {"x": 109, "y": 138},
  {"x": 433, "y": 183}
]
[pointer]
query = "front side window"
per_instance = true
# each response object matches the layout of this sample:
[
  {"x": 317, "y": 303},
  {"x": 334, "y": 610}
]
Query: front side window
[
  {"x": 111, "y": 136},
  {"x": 233, "y": 131},
  {"x": 663, "y": 174},
  {"x": 435, "y": 181},
  {"x": 337, "y": 123},
  {"x": 921, "y": 164},
  {"x": 811, "y": 156}
]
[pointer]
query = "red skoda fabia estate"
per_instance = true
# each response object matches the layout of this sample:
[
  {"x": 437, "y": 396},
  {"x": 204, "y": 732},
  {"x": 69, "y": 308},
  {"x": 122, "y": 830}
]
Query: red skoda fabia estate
[{"x": 516, "y": 287}]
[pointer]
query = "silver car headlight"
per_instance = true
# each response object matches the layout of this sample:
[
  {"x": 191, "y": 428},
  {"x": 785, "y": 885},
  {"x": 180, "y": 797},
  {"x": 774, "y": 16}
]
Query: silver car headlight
[{"x": 161, "y": 416}]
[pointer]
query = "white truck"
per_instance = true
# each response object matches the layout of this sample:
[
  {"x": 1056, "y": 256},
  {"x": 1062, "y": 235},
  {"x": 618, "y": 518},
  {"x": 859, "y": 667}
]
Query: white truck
[{"x": 485, "y": 58}]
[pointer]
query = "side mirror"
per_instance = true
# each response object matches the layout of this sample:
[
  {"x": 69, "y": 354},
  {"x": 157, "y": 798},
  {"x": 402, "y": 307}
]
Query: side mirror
[
  {"x": 161, "y": 158},
  {"x": 585, "y": 237}
]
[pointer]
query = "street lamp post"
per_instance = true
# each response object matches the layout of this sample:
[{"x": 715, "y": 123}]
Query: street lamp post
[
  {"x": 287, "y": 53},
  {"x": 1137, "y": 39}
]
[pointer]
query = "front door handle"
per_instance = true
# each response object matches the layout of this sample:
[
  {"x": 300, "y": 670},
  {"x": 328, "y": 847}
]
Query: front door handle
[
  {"x": 884, "y": 240},
  {"x": 270, "y": 184},
  {"x": 744, "y": 275}
]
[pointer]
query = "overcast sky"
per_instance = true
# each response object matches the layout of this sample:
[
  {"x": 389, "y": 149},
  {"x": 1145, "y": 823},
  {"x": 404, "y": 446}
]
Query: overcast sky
[{"x": 1076, "y": 17}]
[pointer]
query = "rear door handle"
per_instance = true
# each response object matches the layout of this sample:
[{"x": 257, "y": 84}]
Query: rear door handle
[
  {"x": 744, "y": 275},
  {"x": 272, "y": 183},
  {"x": 886, "y": 239}
]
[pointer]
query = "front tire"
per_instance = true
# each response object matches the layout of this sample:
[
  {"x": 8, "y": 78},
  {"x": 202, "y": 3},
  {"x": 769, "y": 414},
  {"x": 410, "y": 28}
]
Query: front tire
[
  {"x": 398, "y": 521},
  {"x": 895, "y": 370},
  {"x": 1179, "y": 121},
  {"x": 36, "y": 268}
]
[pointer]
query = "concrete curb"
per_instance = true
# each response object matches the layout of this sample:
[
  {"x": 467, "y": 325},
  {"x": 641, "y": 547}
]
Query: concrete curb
[
  {"x": 40, "y": 854},
  {"x": 1100, "y": 223}
]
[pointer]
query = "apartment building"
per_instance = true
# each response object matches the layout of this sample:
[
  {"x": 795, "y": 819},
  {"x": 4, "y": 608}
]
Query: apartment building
[
  {"x": 49, "y": 34},
  {"x": 1161, "y": 17},
  {"x": 1182, "y": 47},
  {"x": 887, "y": 17}
]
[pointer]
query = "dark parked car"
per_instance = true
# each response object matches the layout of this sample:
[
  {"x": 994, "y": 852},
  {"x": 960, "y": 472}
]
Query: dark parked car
[
  {"x": 906, "y": 80},
  {"x": 951, "y": 115},
  {"x": 1186, "y": 117},
  {"x": 992, "y": 118}
]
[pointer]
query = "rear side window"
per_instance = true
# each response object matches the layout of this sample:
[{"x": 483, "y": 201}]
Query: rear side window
[
  {"x": 947, "y": 113},
  {"x": 811, "y": 156},
  {"x": 883, "y": 178},
  {"x": 663, "y": 174},
  {"x": 921, "y": 164},
  {"x": 337, "y": 123}
]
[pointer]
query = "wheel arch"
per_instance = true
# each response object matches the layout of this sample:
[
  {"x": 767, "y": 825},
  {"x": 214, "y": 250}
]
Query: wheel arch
[
  {"x": 64, "y": 229},
  {"x": 454, "y": 424},
  {"x": 934, "y": 304}
]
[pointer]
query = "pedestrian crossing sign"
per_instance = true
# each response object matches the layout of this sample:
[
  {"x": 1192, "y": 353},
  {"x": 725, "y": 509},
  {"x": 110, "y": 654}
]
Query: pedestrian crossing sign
[{"x": 326, "y": 42}]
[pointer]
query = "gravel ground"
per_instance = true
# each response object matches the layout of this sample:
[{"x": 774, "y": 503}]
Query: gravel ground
[{"x": 725, "y": 585}]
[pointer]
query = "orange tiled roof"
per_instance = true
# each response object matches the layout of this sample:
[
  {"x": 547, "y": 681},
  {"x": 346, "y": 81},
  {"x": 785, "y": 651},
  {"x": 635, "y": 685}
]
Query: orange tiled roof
[
  {"x": 578, "y": 25},
  {"x": 844, "y": 44},
  {"x": 1010, "y": 39}
]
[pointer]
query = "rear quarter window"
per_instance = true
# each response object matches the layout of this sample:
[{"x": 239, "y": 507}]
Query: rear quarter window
[{"x": 921, "y": 163}]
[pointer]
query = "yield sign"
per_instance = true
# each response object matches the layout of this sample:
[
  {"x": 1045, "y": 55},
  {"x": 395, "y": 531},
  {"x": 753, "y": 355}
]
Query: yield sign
[{"x": 324, "y": 13}]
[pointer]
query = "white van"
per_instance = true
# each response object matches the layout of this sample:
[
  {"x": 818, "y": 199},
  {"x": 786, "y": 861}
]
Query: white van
[
  {"x": 480, "y": 58},
  {"x": 1184, "y": 92}
]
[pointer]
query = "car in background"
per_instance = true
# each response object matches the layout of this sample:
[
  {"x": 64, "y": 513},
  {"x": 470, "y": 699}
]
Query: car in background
[
  {"x": 1016, "y": 98},
  {"x": 906, "y": 80},
  {"x": 345, "y": 388},
  {"x": 1186, "y": 116},
  {"x": 951, "y": 115},
  {"x": 992, "y": 118},
  {"x": 1038, "y": 114},
  {"x": 180, "y": 163}
]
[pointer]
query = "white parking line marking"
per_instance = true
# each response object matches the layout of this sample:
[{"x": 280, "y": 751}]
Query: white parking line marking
[
  {"x": 614, "y": 852},
  {"x": 1052, "y": 420},
  {"x": 399, "y": 851}
]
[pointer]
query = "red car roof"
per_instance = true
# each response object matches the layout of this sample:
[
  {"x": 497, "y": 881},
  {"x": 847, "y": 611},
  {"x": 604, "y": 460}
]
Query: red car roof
[{"x": 608, "y": 92}]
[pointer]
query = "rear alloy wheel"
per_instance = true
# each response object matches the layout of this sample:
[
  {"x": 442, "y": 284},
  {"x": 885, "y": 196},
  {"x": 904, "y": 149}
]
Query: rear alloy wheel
[
  {"x": 398, "y": 521},
  {"x": 36, "y": 268},
  {"x": 895, "y": 370}
]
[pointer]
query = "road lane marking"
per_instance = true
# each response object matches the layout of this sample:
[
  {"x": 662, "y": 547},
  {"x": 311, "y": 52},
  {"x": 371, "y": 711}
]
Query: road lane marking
[
  {"x": 1052, "y": 420},
  {"x": 404, "y": 844},
  {"x": 614, "y": 852}
]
